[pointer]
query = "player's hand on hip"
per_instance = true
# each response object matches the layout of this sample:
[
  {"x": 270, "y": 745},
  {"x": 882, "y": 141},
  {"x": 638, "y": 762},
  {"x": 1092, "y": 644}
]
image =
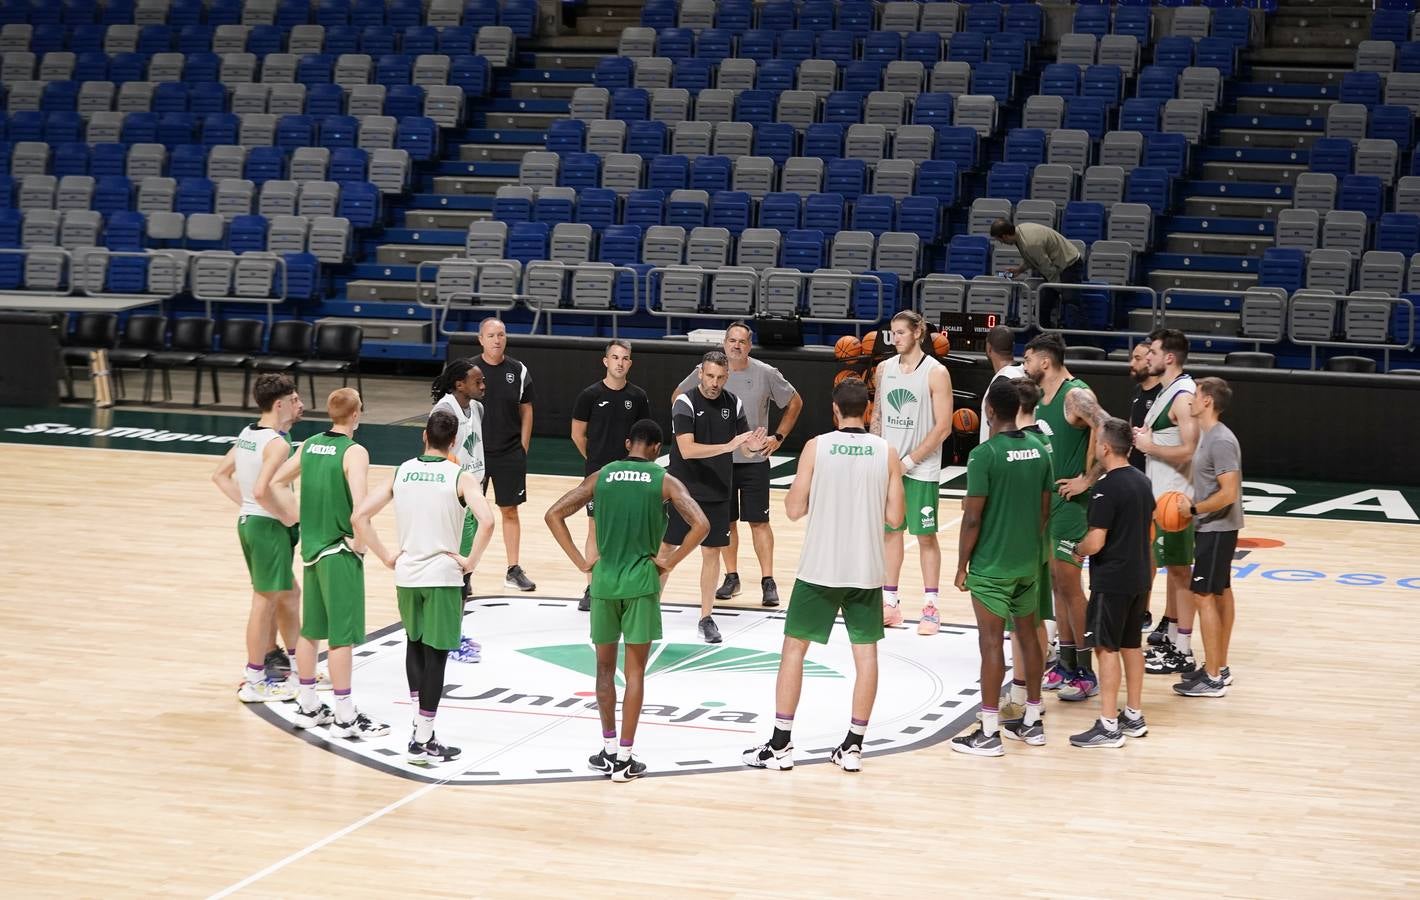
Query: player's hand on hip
[
  {"x": 392, "y": 559},
  {"x": 1069, "y": 488},
  {"x": 960, "y": 580}
]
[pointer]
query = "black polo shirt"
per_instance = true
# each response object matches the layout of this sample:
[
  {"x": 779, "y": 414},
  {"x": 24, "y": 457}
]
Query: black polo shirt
[
  {"x": 711, "y": 422},
  {"x": 1122, "y": 502},
  {"x": 1138, "y": 409},
  {"x": 609, "y": 415},
  {"x": 509, "y": 386}
]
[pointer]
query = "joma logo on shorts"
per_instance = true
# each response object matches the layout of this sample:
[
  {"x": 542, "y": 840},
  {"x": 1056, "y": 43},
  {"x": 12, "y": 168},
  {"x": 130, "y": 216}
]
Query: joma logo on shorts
[
  {"x": 1018, "y": 455},
  {"x": 320, "y": 449},
  {"x": 849, "y": 450},
  {"x": 642, "y": 477}
]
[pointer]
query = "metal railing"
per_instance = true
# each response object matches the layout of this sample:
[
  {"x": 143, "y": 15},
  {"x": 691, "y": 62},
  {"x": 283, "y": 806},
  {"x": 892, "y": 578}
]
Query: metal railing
[
  {"x": 74, "y": 278},
  {"x": 1241, "y": 293},
  {"x": 1385, "y": 348},
  {"x": 66, "y": 270},
  {"x": 268, "y": 301},
  {"x": 852, "y": 277},
  {"x": 440, "y": 307},
  {"x": 1155, "y": 308},
  {"x": 709, "y": 274},
  {"x": 541, "y": 306}
]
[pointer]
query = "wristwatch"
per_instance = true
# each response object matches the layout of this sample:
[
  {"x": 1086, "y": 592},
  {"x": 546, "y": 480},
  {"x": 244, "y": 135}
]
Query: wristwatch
[
  {"x": 1192, "y": 510},
  {"x": 778, "y": 437}
]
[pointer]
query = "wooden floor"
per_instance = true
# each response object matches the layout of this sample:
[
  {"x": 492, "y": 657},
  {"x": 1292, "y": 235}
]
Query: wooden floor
[{"x": 131, "y": 770}]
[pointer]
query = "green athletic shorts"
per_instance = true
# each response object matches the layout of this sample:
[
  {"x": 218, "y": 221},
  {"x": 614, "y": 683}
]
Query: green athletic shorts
[
  {"x": 1173, "y": 548},
  {"x": 269, "y": 548},
  {"x": 1044, "y": 602},
  {"x": 432, "y": 615},
  {"x": 333, "y": 605},
  {"x": 1005, "y": 598},
  {"x": 812, "y": 609},
  {"x": 636, "y": 620},
  {"x": 921, "y": 502},
  {"x": 470, "y": 530},
  {"x": 1067, "y": 528}
]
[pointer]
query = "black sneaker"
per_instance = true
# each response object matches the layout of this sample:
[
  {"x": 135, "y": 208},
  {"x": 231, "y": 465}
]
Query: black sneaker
[
  {"x": 1018, "y": 730},
  {"x": 431, "y": 753},
  {"x": 278, "y": 665},
  {"x": 602, "y": 762},
  {"x": 1098, "y": 737},
  {"x": 766, "y": 757},
  {"x": 729, "y": 587},
  {"x": 1201, "y": 687},
  {"x": 709, "y": 631},
  {"x": 770, "y": 591},
  {"x": 1225, "y": 675},
  {"x": 1160, "y": 634},
  {"x": 979, "y": 743},
  {"x": 362, "y": 726},
  {"x": 518, "y": 580},
  {"x": 628, "y": 769},
  {"x": 1148, "y": 621},
  {"x": 1167, "y": 660},
  {"x": 1133, "y": 728},
  {"x": 585, "y": 604}
]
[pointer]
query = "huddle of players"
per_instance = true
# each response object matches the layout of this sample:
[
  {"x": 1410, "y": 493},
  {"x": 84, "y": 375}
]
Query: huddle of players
[{"x": 1021, "y": 496}]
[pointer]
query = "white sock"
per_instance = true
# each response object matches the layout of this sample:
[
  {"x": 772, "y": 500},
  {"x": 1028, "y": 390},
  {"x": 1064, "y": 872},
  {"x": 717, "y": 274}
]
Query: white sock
[
  {"x": 623, "y": 753},
  {"x": 609, "y": 743},
  {"x": 1132, "y": 713},
  {"x": 931, "y": 599},
  {"x": 1034, "y": 711},
  {"x": 990, "y": 720},
  {"x": 345, "y": 708},
  {"x": 1173, "y": 633},
  {"x": 306, "y": 697},
  {"x": 1184, "y": 642},
  {"x": 253, "y": 676},
  {"x": 423, "y": 729},
  {"x": 1109, "y": 724},
  {"x": 1018, "y": 693},
  {"x": 890, "y": 598},
  {"x": 1050, "y": 630}
]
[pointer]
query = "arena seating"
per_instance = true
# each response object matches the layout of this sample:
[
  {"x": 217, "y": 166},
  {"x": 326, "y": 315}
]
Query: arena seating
[{"x": 354, "y": 158}]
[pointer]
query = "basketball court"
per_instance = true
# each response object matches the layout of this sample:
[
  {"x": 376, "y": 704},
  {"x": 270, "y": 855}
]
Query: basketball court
[{"x": 136, "y": 771}]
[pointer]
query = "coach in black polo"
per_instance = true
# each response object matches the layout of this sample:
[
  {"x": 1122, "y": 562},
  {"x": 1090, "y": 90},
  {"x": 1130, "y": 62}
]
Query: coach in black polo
[
  {"x": 507, "y": 434},
  {"x": 709, "y": 425}
]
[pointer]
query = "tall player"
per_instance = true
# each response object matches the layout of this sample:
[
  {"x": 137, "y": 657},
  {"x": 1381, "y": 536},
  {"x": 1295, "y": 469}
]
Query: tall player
[
  {"x": 601, "y": 419},
  {"x": 1069, "y": 412},
  {"x": 1146, "y": 388},
  {"x": 1168, "y": 440},
  {"x": 333, "y": 471},
  {"x": 627, "y": 575},
  {"x": 1003, "y": 525},
  {"x": 433, "y": 496},
  {"x": 459, "y": 390},
  {"x": 848, "y": 481},
  {"x": 266, "y": 528},
  {"x": 914, "y": 415}
]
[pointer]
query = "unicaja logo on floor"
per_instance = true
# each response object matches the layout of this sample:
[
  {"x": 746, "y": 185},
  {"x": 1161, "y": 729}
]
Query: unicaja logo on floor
[{"x": 528, "y": 712}]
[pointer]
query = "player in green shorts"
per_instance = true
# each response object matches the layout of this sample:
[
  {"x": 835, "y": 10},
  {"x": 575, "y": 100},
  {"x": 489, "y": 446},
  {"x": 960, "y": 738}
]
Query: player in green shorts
[
  {"x": 266, "y": 523},
  {"x": 1004, "y": 517},
  {"x": 433, "y": 495},
  {"x": 849, "y": 485},
  {"x": 333, "y": 470},
  {"x": 1069, "y": 413},
  {"x": 627, "y": 576}
]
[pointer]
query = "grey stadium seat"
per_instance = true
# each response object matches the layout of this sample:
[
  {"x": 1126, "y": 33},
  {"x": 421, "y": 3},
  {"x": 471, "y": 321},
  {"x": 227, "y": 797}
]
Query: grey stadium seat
[
  {"x": 1298, "y": 228},
  {"x": 1329, "y": 270}
]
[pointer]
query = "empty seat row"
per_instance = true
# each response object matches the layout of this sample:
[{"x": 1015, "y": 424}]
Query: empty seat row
[{"x": 738, "y": 17}]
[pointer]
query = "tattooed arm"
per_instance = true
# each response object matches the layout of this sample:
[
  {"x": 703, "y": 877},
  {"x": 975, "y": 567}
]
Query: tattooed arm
[{"x": 1083, "y": 410}]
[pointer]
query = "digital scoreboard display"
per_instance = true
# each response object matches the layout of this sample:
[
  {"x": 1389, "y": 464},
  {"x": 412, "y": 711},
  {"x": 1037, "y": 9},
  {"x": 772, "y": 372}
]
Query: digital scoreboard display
[{"x": 967, "y": 331}]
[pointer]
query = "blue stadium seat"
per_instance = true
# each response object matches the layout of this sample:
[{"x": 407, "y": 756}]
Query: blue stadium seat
[
  {"x": 647, "y": 138},
  {"x": 125, "y": 67},
  {"x": 1060, "y": 80},
  {"x": 1136, "y": 21},
  {"x": 393, "y": 69},
  {"x": 195, "y": 39},
  {"x": 924, "y": 47},
  {"x": 921, "y": 216},
  {"x": 1283, "y": 267},
  {"x": 968, "y": 256},
  {"x": 566, "y": 136},
  {"x": 757, "y": 44},
  {"x": 1011, "y": 48},
  {"x": 457, "y": 41},
  {"x": 1138, "y": 114},
  {"x": 958, "y": 144},
  {"x": 1024, "y": 19},
  {"x": 796, "y": 46},
  {"x": 982, "y": 18},
  {"x": 1008, "y": 181},
  {"x": 1152, "y": 187},
  {"x": 1167, "y": 151},
  {"x": 695, "y": 75},
  {"x": 1083, "y": 221},
  {"x": 780, "y": 210},
  {"x": 547, "y": 210},
  {"x": 290, "y": 13},
  {"x": 670, "y": 172},
  {"x": 265, "y": 39},
  {"x": 69, "y": 159},
  {"x": 710, "y": 173},
  {"x": 1331, "y": 155},
  {"x": 1219, "y": 53},
  {"x": 644, "y": 208},
  {"x": 528, "y": 241},
  {"x": 1104, "y": 83},
  {"x": 1362, "y": 193},
  {"x": 348, "y": 164},
  {"x": 247, "y": 234},
  {"x": 732, "y": 210},
  {"x": 200, "y": 70},
  {"x": 112, "y": 194},
  {"x": 844, "y": 107},
  {"x": 1158, "y": 83},
  {"x": 332, "y": 12},
  {"x": 932, "y": 109},
  {"x": 177, "y": 129},
  {"x": 675, "y": 43},
  {"x": 863, "y": 77},
  {"x": 630, "y": 104},
  {"x": 293, "y": 132},
  {"x": 91, "y": 67},
  {"x": 170, "y": 97},
  {"x": 220, "y": 128},
  {"x": 140, "y": 128},
  {"x": 516, "y": 209},
  {"x": 62, "y": 127},
  {"x": 342, "y": 39},
  {"x": 824, "y": 140},
  {"x": 778, "y": 15},
  {"x": 418, "y": 40},
  {"x": 714, "y": 45},
  {"x": 803, "y": 248},
  {"x": 659, "y": 14},
  {"x": 734, "y": 16},
  {"x": 1395, "y": 123},
  {"x": 324, "y": 100},
  {"x": 874, "y": 212},
  {"x": 687, "y": 213},
  {"x": 580, "y": 170},
  {"x": 418, "y": 136},
  {"x": 967, "y": 47},
  {"x": 339, "y": 131},
  {"x": 1091, "y": 20},
  {"x": 775, "y": 140},
  {"x": 1025, "y": 145},
  {"x": 755, "y": 107},
  {"x": 848, "y": 177},
  {"x": 597, "y": 207},
  {"x": 1088, "y": 114},
  {"x": 938, "y": 179},
  {"x": 816, "y": 15},
  {"x": 993, "y": 80},
  {"x": 880, "y": 46},
  {"x": 825, "y": 212},
  {"x": 775, "y": 75},
  {"x": 1175, "y": 52},
  {"x": 187, "y": 161},
  {"x": 1390, "y": 25},
  {"x": 360, "y": 203},
  {"x": 1399, "y": 232},
  {"x": 264, "y": 164}
]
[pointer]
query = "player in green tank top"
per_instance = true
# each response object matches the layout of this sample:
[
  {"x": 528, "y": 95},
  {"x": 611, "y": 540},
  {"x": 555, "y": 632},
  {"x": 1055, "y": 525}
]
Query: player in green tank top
[
  {"x": 627, "y": 576},
  {"x": 333, "y": 471},
  {"x": 1070, "y": 413},
  {"x": 1004, "y": 518}
]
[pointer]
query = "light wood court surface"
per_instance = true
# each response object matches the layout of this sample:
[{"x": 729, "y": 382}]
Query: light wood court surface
[{"x": 131, "y": 770}]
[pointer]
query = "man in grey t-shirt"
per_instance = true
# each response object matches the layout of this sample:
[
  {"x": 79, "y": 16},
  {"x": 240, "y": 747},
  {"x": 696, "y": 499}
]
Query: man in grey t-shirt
[
  {"x": 1218, "y": 514},
  {"x": 756, "y": 384}
]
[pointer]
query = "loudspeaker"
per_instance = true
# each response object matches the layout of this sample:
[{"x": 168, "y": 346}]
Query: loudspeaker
[
  {"x": 779, "y": 331},
  {"x": 29, "y": 360}
]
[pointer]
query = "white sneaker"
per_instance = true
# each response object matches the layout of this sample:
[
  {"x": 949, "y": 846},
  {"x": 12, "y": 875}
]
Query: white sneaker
[
  {"x": 850, "y": 760},
  {"x": 766, "y": 757},
  {"x": 265, "y": 691},
  {"x": 362, "y": 726},
  {"x": 321, "y": 715}
]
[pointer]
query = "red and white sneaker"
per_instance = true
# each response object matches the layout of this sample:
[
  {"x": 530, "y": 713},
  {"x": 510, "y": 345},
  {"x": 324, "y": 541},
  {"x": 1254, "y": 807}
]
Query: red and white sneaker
[{"x": 930, "y": 622}]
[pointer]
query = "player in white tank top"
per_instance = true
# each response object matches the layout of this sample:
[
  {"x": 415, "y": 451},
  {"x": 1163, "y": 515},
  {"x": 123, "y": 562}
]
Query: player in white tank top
[
  {"x": 430, "y": 515},
  {"x": 843, "y": 544}
]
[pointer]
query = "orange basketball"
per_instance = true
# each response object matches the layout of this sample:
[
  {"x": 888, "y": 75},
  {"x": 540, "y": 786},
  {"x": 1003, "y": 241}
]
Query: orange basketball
[
  {"x": 869, "y": 344},
  {"x": 847, "y": 347},
  {"x": 941, "y": 344},
  {"x": 868, "y": 412},
  {"x": 1167, "y": 514},
  {"x": 966, "y": 421},
  {"x": 842, "y": 374}
]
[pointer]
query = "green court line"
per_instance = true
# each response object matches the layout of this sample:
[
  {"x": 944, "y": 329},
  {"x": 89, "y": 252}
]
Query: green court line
[{"x": 390, "y": 445}]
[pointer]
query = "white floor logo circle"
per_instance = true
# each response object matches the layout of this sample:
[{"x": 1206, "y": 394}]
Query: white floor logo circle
[{"x": 528, "y": 712}]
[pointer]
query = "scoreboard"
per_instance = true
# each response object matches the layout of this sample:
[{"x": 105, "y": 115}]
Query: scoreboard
[{"x": 967, "y": 331}]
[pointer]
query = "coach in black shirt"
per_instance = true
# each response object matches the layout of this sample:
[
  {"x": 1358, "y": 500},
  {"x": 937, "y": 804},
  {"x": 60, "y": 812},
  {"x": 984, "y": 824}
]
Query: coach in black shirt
[
  {"x": 601, "y": 421},
  {"x": 709, "y": 425},
  {"x": 1147, "y": 387},
  {"x": 507, "y": 434},
  {"x": 1121, "y": 569}
]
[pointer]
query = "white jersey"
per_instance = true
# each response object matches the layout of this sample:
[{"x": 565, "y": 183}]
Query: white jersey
[
  {"x": 843, "y": 540},
  {"x": 251, "y": 448},
  {"x": 905, "y": 400},
  {"x": 430, "y": 516},
  {"x": 1011, "y": 371},
  {"x": 468, "y": 443},
  {"x": 1165, "y": 476}
]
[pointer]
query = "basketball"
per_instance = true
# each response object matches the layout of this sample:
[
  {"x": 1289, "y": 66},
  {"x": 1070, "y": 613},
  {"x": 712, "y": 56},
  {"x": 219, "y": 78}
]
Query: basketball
[
  {"x": 1167, "y": 514},
  {"x": 847, "y": 347},
  {"x": 869, "y": 345},
  {"x": 966, "y": 421},
  {"x": 842, "y": 374},
  {"x": 941, "y": 344},
  {"x": 868, "y": 412}
]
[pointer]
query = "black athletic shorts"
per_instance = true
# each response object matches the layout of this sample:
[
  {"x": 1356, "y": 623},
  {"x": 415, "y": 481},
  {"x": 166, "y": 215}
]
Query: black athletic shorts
[
  {"x": 510, "y": 480},
  {"x": 1213, "y": 561},
  {"x": 1113, "y": 621},
  {"x": 717, "y": 511},
  {"x": 749, "y": 497}
]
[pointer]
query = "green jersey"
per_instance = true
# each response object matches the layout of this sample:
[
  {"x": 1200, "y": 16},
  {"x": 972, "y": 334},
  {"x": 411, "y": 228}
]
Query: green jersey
[
  {"x": 1069, "y": 444},
  {"x": 631, "y": 520},
  {"x": 1011, "y": 471},
  {"x": 1036, "y": 433},
  {"x": 325, "y": 496}
]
